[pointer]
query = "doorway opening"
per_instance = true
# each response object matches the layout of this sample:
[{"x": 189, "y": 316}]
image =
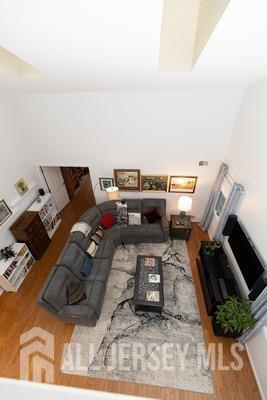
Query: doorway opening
[{"x": 68, "y": 185}]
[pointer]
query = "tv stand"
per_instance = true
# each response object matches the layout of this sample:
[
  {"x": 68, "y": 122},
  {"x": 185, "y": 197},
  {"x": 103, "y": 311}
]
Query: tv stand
[{"x": 217, "y": 279}]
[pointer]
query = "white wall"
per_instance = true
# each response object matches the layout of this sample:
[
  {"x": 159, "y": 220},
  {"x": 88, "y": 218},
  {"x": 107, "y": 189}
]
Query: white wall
[
  {"x": 26, "y": 390},
  {"x": 247, "y": 158},
  {"x": 158, "y": 132},
  {"x": 15, "y": 163}
]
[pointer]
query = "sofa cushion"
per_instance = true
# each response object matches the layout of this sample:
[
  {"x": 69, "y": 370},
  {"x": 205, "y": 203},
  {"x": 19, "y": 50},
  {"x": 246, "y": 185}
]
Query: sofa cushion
[
  {"x": 100, "y": 270},
  {"x": 152, "y": 233},
  {"x": 158, "y": 204},
  {"x": 131, "y": 234},
  {"x": 114, "y": 234},
  {"x": 73, "y": 258},
  {"x": 107, "y": 220},
  {"x": 92, "y": 217},
  {"x": 55, "y": 293},
  {"x": 106, "y": 249},
  {"x": 108, "y": 206},
  {"x": 134, "y": 205},
  {"x": 95, "y": 292}
]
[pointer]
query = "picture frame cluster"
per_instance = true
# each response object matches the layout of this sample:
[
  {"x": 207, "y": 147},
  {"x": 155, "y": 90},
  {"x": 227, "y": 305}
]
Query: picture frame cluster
[{"x": 132, "y": 180}]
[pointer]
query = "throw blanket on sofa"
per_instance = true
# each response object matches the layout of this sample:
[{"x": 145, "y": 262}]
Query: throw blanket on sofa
[{"x": 82, "y": 227}]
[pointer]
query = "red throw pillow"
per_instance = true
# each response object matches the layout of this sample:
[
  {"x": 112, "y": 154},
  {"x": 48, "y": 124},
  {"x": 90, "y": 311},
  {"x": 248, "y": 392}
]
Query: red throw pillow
[
  {"x": 152, "y": 216},
  {"x": 107, "y": 221}
]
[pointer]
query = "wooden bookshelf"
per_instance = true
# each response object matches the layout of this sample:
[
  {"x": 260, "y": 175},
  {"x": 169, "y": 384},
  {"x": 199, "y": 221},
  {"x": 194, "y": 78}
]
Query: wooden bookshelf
[
  {"x": 73, "y": 177},
  {"x": 14, "y": 270}
]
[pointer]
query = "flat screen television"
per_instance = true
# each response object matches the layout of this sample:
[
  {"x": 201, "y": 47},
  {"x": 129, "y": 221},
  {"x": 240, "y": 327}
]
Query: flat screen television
[{"x": 245, "y": 255}]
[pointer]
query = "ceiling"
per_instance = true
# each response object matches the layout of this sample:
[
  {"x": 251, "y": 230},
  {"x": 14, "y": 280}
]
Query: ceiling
[{"x": 105, "y": 45}]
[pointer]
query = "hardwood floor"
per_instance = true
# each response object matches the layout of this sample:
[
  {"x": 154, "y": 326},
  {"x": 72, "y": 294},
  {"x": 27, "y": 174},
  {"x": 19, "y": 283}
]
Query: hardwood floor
[{"x": 19, "y": 313}]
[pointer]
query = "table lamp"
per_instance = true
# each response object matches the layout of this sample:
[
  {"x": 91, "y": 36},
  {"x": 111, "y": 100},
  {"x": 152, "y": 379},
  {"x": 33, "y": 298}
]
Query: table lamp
[
  {"x": 113, "y": 193},
  {"x": 184, "y": 204}
]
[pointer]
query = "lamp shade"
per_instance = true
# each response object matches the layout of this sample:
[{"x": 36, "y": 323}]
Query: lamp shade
[
  {"x": 113, "y": 193},
  {"x": 184, "y": 203}
]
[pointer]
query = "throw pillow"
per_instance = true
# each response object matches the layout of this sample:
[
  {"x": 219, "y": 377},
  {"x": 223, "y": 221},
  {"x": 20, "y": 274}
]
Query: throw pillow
[
  {"x": 96, "y": 238},
  {"x": 82, "y": 227},
  {"x": 152, "y": 216},
  {"x": 100, "y": 231},
  {"x": 75, "y": 292},
  {"x": 92, "y": 249},
  {"x": 86, "y": 267},
  {"x": 122, "y": 218},
  {"x": 107, "y": 221},
  {"x": 134, "y": 218}
]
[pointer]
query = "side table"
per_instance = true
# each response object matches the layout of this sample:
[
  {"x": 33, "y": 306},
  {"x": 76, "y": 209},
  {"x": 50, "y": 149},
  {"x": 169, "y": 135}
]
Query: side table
[{"x": 178, "y": 230}]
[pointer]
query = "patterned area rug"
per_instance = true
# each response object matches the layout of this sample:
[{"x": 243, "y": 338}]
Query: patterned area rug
[{"x": 160, "y": 349}]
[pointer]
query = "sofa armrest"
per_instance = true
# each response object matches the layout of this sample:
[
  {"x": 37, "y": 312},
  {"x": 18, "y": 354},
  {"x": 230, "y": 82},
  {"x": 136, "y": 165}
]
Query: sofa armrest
[{"x": 165, "y": 226}]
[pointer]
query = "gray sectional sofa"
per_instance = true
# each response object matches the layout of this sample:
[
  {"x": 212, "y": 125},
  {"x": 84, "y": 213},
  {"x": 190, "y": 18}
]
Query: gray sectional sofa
[{"x": 67, "y": 270}]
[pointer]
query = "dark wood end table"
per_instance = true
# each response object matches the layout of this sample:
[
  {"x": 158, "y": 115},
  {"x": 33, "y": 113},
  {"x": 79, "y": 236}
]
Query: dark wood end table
[
  {"x": 178, "y": 230},
  {"x": 148, "y": 289}
]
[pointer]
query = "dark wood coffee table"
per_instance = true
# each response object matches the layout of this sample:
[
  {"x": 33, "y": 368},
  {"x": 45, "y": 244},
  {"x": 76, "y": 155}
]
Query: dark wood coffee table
[{"x": 148, "y": 290}]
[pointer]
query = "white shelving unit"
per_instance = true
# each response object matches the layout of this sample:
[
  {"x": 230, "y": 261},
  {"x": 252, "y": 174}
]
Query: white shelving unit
[
  {"x": 14, "y": 270},
  {"x": 48, "y": 213}
]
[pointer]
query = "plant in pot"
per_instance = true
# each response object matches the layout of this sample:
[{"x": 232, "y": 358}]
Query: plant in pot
[
  {"x": 210, "y": 247},
  {"x": 232, "y": 317}
]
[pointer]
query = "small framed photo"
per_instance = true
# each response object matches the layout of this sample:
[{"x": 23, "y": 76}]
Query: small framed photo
[
  {"x": 182, "y": 184},
  {"x": 127, "y": 179},
  {"x": 5, "y": 212},
  {"x": 154, "y": 183},
  {"x": 153, "y": 278},
  {"x": 105, "y": 183},
  {"x": 152, "y": 295},
  {"x": 21, "y": 187},
  {"x": 149, "y": 262}
]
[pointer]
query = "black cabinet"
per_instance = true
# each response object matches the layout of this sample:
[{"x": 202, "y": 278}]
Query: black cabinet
[{"x": 217, "y": 280}]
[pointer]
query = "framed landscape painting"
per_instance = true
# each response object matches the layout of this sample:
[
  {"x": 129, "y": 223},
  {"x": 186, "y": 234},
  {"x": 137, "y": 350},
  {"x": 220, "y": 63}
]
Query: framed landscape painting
[
  {"x": 154, "y": 183},
  {"x": 182, "y": 184},
  {"x": 5, "y": 212},
  {"x": 127, "y": 179},
  {"x": 105, "y": 183}
]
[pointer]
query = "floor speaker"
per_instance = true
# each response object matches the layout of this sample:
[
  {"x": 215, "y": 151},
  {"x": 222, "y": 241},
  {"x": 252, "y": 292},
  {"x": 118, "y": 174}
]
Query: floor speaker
[
  {"x": 258, "y": 287},
  {"x": 227, "y": 230}
]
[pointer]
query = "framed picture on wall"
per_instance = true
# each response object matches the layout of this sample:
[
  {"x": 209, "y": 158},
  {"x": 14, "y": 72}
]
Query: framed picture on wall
[
  {"x": 182, "y": 184},
  {"x": 127, "y": 179},
  {"x": 5, "y": 212},
  {"x": 154, "y": 183},
  {"x": 105, "y": 183}
]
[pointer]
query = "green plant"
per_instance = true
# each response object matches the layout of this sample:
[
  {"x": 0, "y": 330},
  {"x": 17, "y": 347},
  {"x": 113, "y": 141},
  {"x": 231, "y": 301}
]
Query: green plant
[
  {"x": 211, "y": 247},
  {"x": 235, "y": 315}
]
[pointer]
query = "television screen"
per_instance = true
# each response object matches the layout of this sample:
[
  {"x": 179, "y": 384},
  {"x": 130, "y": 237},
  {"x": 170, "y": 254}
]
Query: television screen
[{"x": 245, "y": 255}]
